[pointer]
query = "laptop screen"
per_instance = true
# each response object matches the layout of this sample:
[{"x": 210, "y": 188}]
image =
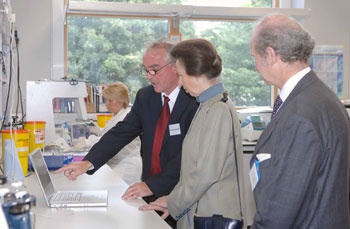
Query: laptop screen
[{"x": 42, "y": 172}]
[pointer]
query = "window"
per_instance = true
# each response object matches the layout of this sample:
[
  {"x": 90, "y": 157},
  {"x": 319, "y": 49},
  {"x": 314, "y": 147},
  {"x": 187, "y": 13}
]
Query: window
[
  {"x": 107, "y": 45},
  {"x": 231, "y": 38},
  {"x": 104, "y": 50}
]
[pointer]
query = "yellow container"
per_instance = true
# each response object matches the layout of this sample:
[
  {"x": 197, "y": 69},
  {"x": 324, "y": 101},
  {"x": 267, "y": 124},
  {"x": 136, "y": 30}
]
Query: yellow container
[
  {"x": 37, "y": 134},
  {"x": 21, "y": 141},
  {"x": 102, "y": 119}
]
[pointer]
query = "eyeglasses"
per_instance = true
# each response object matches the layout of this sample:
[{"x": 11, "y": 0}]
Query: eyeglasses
[{"x": 152, "y": 72}]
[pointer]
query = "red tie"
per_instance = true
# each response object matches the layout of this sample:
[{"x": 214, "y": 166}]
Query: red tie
[{"x": 158, "y": 137}]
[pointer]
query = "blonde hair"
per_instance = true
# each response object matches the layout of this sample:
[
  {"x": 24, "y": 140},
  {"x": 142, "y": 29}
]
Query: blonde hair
[{"x": 118, "y": 91}]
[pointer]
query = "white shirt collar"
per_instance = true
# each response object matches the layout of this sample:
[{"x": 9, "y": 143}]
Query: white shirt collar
[
  {"x": 292, "y": 82},
  {"x": 172, "y": 97}
]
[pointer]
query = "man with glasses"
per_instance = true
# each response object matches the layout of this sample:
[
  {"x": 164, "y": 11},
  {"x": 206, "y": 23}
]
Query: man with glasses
[{"x": 141, "y": 121}]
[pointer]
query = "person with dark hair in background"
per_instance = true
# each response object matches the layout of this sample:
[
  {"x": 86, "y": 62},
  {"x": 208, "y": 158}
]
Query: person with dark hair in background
[
  {"x": 212, "y": 147},
  {"x": 160, "y": 159},
  {"x": 300, "y": 167}
]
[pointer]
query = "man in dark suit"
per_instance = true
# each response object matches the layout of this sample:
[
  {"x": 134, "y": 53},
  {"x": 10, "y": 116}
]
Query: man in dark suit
[
  {"x": 300, "y": 167},
  {"x": 141, "y": 121}
]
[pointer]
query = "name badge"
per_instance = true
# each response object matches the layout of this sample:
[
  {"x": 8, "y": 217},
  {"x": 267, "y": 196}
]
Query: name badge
[
  {"x": 254, "y": 174},
  {"x": 174, "y": 129}
]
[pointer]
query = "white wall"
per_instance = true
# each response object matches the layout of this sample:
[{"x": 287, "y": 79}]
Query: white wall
[
  {"x": 41, "y": 46},
  {"x": 34, "y": 26}
]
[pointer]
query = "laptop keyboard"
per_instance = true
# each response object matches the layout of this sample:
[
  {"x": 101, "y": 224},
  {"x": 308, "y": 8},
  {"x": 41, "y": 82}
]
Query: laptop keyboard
[{"x": 67, "y": 197}]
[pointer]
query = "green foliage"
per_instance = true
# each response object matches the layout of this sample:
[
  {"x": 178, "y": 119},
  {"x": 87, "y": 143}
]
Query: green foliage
[
  {"x": 245, "y": 87},
  {"x": 262, "y": 3},
  {"x": 243, "y": 83},
  {"x": 104, "y": 50}
]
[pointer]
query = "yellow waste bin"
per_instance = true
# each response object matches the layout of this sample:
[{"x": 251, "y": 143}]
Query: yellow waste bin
[
  {"x": 102, "y": 119},
  {"x": 37, "y": 134},
  {"x": 21, "y": 142}
]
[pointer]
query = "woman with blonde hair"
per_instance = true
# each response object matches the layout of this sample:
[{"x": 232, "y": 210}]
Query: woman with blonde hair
[{"x": 127, "y": 163}]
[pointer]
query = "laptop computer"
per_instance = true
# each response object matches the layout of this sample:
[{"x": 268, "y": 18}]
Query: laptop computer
[{"x": 59, "y": 199}]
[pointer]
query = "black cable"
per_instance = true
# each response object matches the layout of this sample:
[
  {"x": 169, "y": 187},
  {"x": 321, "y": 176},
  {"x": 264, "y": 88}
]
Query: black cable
[{"x": 19, "y": 92}]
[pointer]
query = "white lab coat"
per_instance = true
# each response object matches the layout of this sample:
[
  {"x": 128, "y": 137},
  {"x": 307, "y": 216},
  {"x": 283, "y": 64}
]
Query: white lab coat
[{"x": 127, "y": 163}]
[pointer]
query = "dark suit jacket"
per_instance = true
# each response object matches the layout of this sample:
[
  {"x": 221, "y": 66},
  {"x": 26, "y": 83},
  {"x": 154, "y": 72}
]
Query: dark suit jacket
[
  {"x": 305, "y": 183},
  {"x": 141, "y": 121}
]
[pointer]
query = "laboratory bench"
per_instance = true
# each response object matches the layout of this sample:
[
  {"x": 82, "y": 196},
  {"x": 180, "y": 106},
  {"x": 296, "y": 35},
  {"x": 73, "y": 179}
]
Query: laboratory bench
[{"x": 118, "y": 214}]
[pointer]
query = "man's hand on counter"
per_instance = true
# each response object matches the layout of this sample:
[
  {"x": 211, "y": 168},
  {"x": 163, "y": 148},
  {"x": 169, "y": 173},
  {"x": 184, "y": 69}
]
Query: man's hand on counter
[
  {"x": 139, "y": 189},
  {"x": 75, "y": 169}
]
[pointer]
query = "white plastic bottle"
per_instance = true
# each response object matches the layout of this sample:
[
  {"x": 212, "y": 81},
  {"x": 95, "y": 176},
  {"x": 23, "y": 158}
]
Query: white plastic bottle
[{"x": 66, "y": 136}]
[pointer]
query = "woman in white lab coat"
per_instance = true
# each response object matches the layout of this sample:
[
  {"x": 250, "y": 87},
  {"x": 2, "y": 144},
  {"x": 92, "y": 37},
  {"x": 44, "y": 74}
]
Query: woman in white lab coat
[{"x": 127, "y": 163}]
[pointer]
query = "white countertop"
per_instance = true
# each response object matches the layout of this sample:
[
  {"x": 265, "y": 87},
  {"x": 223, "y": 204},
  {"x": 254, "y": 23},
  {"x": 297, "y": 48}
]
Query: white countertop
[{"x": 119, "y": 213}]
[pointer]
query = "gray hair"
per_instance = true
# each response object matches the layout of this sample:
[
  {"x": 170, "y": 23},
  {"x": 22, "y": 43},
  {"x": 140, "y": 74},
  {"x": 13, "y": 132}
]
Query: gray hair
[
  {"x": 286, "y": 36},
  {"x": 162, "y": 44}
]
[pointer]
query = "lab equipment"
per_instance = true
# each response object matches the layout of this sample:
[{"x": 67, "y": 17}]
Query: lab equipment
[
  {"x": 252, "y": 127},
  {"x": 79, "y": 130},
  {"x": 66, "y": 135},
  {"x": 41, "y": 96}
]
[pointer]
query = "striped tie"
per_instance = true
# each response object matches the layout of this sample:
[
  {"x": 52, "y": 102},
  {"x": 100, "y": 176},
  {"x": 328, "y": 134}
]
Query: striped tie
[{"x": 276, "y": 106}]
